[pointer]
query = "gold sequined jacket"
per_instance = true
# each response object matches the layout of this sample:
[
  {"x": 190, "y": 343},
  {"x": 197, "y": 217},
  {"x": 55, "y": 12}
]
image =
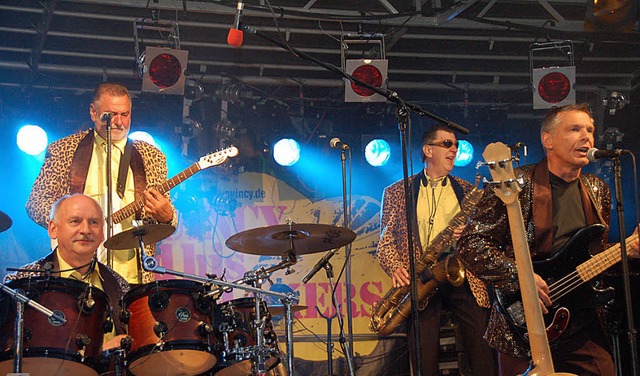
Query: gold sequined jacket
[{"x": 486, "y": 249}]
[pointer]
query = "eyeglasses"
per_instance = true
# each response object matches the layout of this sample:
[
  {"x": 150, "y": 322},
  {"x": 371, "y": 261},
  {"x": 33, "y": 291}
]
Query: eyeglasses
[{"x": 447, "y": 144}]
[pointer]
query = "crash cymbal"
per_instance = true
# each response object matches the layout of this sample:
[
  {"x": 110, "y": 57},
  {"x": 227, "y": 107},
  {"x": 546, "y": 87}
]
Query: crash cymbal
[
  {"x": 5, "y": 222},
  {"x": 301, "y": 238},
  {"x": 151, "y": 234},
  {"x": 278, "y": 309}
]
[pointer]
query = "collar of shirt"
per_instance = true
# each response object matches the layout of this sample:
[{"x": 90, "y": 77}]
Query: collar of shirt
[
  {"x": 95, "y": 279},
  {"x": 120, "y": 145}
]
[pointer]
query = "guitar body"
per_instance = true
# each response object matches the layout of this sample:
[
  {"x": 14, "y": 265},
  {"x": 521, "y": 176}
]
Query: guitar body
[{"x": 553, "y": 270}]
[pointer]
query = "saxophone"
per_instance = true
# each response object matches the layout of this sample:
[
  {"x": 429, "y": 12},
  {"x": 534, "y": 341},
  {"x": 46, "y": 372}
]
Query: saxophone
[{"x": 395, "y": 306}]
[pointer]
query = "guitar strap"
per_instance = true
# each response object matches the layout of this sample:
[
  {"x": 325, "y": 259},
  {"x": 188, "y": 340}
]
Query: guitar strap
[{"x": 123, "y": 169}]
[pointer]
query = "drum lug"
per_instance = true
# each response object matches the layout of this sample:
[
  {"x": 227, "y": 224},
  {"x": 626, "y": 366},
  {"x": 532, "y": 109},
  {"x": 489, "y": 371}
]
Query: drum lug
[
  {"x": 82, "y": 341},
  {"x": 125, "y": 315},
  {"x": 160, "y": 328},
  {"x": 205, "y": 329},
  {"x": 107, "y": 327}
]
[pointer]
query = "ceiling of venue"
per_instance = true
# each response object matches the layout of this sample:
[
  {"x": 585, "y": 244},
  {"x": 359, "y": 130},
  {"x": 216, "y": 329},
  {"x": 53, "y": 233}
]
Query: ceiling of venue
[{"x": 467, "y": 58}]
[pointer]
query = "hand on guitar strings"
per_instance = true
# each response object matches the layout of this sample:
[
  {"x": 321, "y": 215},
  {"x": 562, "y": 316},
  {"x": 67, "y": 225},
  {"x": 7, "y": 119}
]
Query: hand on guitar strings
[
  {"x": 543, "y": 293},
  {"x": 158, "y": 206}
]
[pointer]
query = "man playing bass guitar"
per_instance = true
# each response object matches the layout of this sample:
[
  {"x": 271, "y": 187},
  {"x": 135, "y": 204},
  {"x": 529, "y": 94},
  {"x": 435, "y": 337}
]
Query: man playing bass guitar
[{"x": 557, "y": 201}]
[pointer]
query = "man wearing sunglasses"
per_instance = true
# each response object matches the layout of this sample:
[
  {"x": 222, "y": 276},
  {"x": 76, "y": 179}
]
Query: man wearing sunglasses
[{"x": 436, "y": 200}]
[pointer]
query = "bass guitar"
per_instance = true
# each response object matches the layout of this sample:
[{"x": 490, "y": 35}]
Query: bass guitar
[
  {"x": 506, "y": 187},
  {"x": 567, "y": 273}
]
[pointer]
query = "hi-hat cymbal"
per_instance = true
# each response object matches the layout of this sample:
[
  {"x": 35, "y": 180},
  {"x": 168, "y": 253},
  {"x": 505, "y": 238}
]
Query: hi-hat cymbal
[
  {"x": 5, "y": 222},
  {"x": 151, "y": 234},
  {"x": 300, "y": 238},
  {"x": 278, "y": 309}
]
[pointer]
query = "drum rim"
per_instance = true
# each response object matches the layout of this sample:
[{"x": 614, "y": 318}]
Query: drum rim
[
  {"x": 176, "y": 286},
  {"x": 56, "y": 284}
]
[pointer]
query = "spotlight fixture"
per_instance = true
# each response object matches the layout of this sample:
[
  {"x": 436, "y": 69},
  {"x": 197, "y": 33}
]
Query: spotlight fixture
[
  {"x": 162, "y": 68},
  {"x": 615, "y": 102},
  {"x": 554, "y": 85},
  {"x": 370, "y": 66}
]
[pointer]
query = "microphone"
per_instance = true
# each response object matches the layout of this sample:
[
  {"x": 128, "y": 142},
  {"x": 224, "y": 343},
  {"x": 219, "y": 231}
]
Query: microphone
[
  {"x": 594, "y": 154},
  {"x": 106, "y": 116},
  {"x": 323, "y": 261},
  {"x": 337, "y": 144},
  {"x": 236, "y": 36},
  {"x": 517, "y": 145}
]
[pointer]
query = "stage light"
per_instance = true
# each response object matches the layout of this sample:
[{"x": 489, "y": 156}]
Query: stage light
[
  {"x": 465, "y": 153},
  {"x": 611, "y": 15},
  {"x": 286, "y": 152},
  {"x": 32, "y": 139},
  {"x": 554, "y": 86},
  {"x": 143, "y": 136},
  {"x": 377, "y": 152},
  {"x": 372, "y": 72},
  {"x": 163, "y": 70}
]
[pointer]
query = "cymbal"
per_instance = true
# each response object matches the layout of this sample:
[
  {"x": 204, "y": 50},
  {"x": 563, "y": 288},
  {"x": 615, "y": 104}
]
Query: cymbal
[
  {"x": 5, "y": 222},
  {"x": 151, "y": 234},
  {"x": 278, "y": 309},
  {"x": 300, "y": 238}
]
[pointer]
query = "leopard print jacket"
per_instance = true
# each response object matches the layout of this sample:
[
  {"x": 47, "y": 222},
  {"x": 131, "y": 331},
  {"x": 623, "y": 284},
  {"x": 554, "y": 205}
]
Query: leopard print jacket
[
  {"x": 392, "y": 249},
  {"x": 61, "y": 175}
]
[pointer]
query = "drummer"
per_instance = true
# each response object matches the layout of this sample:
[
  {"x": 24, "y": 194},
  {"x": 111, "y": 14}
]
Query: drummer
[{"x": 76, "y": 222}]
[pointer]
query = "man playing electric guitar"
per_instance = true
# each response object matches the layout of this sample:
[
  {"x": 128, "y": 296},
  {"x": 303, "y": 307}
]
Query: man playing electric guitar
[{"x": 557, "y": 201}]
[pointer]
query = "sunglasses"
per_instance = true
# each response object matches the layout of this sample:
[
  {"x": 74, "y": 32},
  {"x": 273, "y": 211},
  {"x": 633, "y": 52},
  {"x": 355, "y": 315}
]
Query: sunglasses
[{"x": 445, "y": 144}]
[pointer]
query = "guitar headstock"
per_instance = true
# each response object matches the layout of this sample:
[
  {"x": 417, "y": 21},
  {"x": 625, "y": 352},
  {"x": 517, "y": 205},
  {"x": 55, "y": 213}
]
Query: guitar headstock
[
  {"x": 498, "y": 158},
  {"x": 218, "y": 157}
]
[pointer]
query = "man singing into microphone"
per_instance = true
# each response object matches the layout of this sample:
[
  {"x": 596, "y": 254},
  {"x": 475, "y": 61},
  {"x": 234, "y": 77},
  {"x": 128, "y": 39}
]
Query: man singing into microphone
[
  {"x": 556, "y": 201},
  {"x": 436, "y": 198},
  {"x": 77, "y": 164}
]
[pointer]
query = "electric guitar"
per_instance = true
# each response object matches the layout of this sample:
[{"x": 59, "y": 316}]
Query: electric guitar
[
  {"x": 209, "y": 160},
  {"x": 498, "y": 157},
  {"x": 567, "y": 273}
]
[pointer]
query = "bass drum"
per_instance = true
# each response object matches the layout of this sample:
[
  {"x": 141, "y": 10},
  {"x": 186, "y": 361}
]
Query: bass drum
[
  {"x": 170, "y": 324},
  {"x": 51, "y": 347},
  {"x": 237, "y": 340}
]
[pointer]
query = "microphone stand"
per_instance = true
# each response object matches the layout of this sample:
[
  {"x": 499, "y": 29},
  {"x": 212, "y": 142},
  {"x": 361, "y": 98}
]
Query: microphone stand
[
  {"x": 403, "y": 114},
  {"x": 109, "y": 193},
  {"x": 346, "y": 208},
  {"x": 334, "y": 299},
  {"x": 631, "y": 330}
]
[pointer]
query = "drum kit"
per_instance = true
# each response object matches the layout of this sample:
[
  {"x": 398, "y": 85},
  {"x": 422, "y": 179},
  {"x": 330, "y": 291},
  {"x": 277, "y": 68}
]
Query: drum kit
[{"x": 175, "y": 327}]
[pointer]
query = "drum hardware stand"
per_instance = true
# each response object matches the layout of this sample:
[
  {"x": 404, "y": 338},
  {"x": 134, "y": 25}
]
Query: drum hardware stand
[
  {"x": 21, "y": 299},
  {"x": 120, "y": 361},
  {"x": 329, "y": 341},
  {"x": 150, "y": 264},
  {"x": 343, "y": 342}
]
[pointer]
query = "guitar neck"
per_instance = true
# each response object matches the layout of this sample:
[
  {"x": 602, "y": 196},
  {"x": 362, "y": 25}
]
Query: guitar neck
[
  {"x": 603, "y": 260},
  {"x": 540, "y": 352},
  {"x": 138, "y": 204}
]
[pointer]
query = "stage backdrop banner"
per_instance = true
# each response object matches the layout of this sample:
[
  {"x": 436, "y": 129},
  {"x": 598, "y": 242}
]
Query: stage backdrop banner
[{"x": 252, "y": 200}]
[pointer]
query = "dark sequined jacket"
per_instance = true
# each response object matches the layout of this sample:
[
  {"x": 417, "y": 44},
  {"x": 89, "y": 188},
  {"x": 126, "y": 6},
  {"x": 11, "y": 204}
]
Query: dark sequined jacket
[{"x": 486, "y": 248}]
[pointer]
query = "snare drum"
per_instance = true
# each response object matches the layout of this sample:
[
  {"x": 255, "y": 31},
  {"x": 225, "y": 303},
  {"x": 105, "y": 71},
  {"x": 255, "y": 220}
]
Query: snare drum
[
  {"x": 51, "y": 347},
  {"x": 237, "y": 334},
  {"x": 170, "y": 324}
]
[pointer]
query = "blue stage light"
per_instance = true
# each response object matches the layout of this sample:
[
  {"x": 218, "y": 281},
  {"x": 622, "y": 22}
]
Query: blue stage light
[
  {"x": 32, "y": 139},
  {"x": 465, "y": 153},
  {"x": 286, "y": 152},
  {"x": 143, "y": 136},
  {"x": 377, "y": 152}
]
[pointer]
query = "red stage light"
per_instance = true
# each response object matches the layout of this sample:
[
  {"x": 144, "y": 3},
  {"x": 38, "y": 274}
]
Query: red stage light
[
  {"x": 165, "y": 70},
  {"x": 370, "y": 71},
  {"x": 554, "y": 87},
  {"x": 367, "y": 74}
]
